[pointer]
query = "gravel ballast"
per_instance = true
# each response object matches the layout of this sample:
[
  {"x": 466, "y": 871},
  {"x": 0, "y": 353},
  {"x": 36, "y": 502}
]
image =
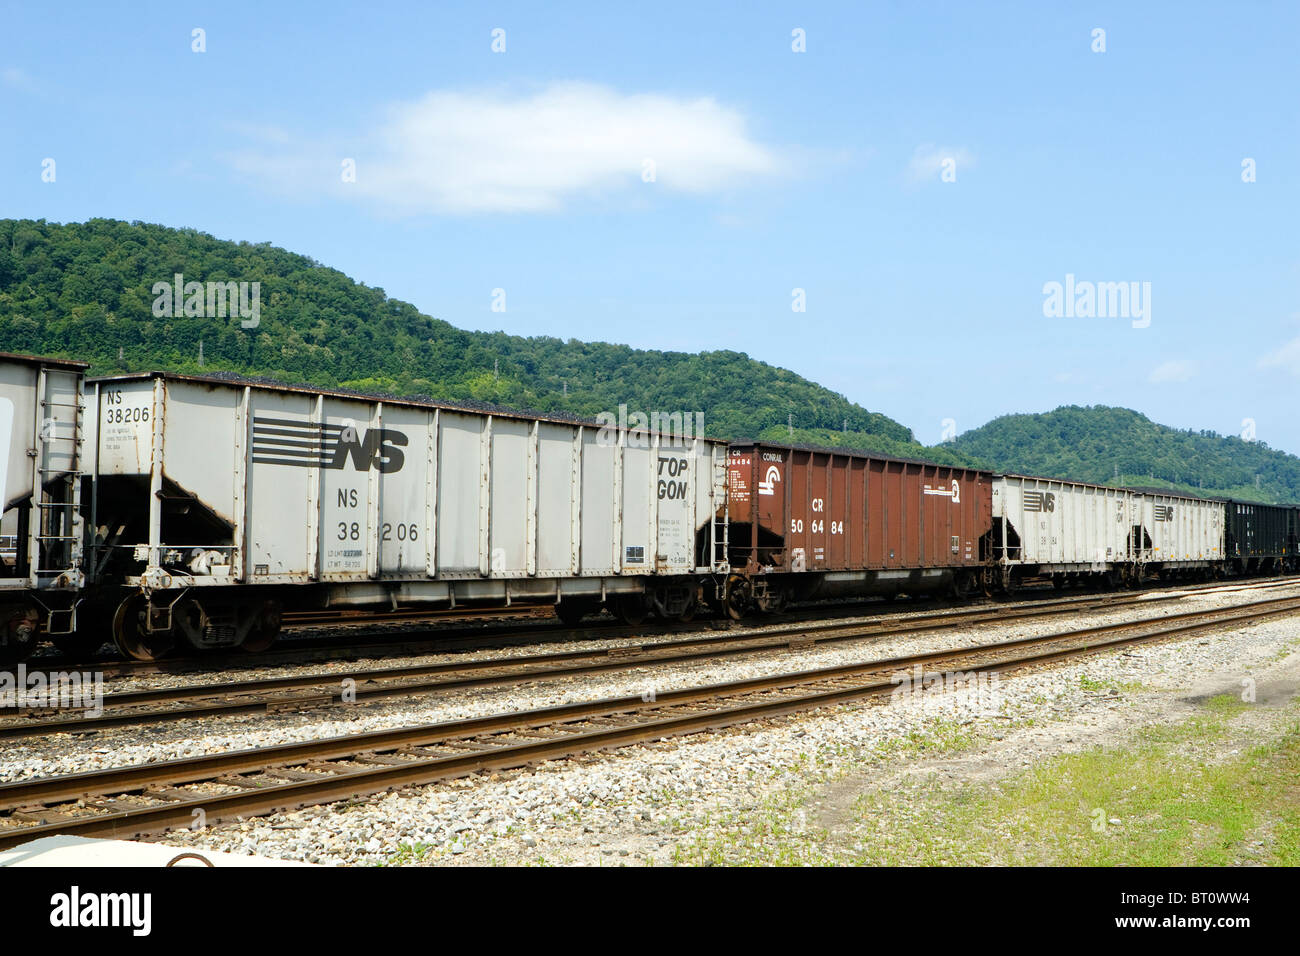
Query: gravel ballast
[{"x": 639, "y": 804}]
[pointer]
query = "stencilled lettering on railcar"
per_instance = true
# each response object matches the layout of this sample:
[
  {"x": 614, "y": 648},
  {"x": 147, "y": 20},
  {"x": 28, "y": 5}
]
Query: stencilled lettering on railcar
[
  {"x": 737, "y": 479},
  {"x": 347, "y": 528},
  {"x": 124, "y": 413},
  {"x": 673, "y": 478}
]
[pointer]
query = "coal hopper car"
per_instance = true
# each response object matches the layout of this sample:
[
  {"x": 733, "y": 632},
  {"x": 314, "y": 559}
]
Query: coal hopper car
[
  {"x": 41, "y": 572},
  {"x": 219, "y": 503},
  {"x": 808, "y": 523}
]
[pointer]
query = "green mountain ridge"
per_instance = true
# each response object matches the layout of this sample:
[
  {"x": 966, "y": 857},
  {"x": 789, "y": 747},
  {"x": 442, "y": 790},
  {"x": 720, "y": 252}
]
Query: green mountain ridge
[
  {"x": 1119, "y": 446},
  {"x": 85, "y": 291}
]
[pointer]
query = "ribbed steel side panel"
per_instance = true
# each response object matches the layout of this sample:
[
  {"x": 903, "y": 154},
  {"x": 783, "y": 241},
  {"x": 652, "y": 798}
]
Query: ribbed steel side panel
[
  {"x": 41, "y": 449},
  {"x": 323, "y": 487},
  {"x": 1069, "y": 526},
  {"x": 796, "y": 509},
  {"x": 1065, "y": 525}
]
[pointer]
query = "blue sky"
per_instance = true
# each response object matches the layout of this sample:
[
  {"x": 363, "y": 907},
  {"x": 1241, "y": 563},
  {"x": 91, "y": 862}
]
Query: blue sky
[{"x": 774, "y": 170}]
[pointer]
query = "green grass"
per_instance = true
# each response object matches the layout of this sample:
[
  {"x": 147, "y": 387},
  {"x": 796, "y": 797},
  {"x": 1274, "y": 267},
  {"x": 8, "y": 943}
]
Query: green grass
[
  {"x": 1180, "y": 796},
  {"x": 1110, "y": 686}
]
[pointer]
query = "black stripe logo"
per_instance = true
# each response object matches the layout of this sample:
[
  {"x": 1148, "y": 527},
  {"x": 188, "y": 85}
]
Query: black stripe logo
[
  {"x": 280, "y": 441},
  {"x": 1040, "y": 501}
]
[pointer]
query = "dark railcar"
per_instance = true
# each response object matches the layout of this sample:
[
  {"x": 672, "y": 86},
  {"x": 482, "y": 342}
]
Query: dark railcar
[
  {"x": 820, "y": 522},
  {"x": 1258, "y": 538}
]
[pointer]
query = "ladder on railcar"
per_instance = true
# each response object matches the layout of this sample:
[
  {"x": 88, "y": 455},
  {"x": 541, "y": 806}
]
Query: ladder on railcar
[
  {"x": 720, "y": 531},
  {"x": 56, "y": 530}
]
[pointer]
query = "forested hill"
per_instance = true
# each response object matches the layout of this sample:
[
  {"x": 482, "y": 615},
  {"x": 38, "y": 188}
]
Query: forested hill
[
  {"x": 1120, "y": 446},
  {"x": 85, "y": 290}
]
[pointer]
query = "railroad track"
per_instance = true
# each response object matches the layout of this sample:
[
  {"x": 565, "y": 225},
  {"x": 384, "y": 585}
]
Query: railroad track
[
  {"x": 314, "y": 691},
  {"x": 518, "y": 628},
  {"x": 304, "y": 619},
  {"x": 138, "y": 800}
]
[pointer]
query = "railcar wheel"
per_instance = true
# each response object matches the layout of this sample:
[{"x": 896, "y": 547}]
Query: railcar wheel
[
  {"x": 631, "y": 609},
  {"x": 739, "y": 599},
  {"x": 962, "y": 584},
  {"x": 22, "y": 631},
  {"x": 265, "y": 629},
  {"x": 572, "y": 612},
  {"x": 687, "y": 614},
  {"x": 778, "y": 601},
  {"x": 131, "y": 636}
]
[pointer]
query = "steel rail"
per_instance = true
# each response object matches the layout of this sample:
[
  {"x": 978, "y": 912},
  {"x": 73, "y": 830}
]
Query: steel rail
[
  {"x": 402, "y": 681},
  {"x": 515, "y": 631},
  {"x": 545, "y": 734}
]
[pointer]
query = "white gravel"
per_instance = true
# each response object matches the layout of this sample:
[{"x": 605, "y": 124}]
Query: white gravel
[
  {"x": 636, "y": 804},
  {"x": 633, "y": 805},
  {"x": 113, "y": 747}
]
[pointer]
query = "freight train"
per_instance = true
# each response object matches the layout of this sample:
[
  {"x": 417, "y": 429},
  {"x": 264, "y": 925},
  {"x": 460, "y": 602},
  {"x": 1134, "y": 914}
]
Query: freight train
[{"x": 162, "y": 510}]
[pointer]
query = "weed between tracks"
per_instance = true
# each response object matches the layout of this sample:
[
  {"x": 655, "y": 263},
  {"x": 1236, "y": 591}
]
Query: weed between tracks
[
  {"x": 1111, "y": 686},
  {"x": 1177, "y": 794}
]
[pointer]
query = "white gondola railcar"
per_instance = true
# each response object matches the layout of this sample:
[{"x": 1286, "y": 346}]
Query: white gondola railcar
[
  {"x": 219, "y": 502},
  {"x": 40, "y": 454},
  {"x": 1178, "y": 535},
  {"x": 1072, "y": 531}
]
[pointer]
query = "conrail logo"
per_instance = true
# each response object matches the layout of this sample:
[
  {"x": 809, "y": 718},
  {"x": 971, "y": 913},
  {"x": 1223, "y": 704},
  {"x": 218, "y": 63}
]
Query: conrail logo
[
  {"x": 280, "y": 441},
  {"x": 954, "y": 492}
]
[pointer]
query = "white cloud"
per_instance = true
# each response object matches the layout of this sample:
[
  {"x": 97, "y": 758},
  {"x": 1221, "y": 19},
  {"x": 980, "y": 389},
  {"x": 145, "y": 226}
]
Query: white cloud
[
  {"x": 1175, "y": 370},
  {"x": 1286, "y": 358},
  {"x": 492, "y": 151},
  {"x": 927, "y": 162},
  {"x": 14, "y": 78}
]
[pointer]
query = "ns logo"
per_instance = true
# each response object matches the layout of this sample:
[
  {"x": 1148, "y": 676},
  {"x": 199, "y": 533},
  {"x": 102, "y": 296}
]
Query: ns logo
[
  {"x": 1040, "y": 501},
  {"x": 380, "y": 448},
  {"x": 299, "y": 444}
]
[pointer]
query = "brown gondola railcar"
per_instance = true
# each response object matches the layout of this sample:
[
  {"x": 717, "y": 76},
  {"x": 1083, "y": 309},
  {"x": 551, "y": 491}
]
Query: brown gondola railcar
[{"x": 821, "y": 522}]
